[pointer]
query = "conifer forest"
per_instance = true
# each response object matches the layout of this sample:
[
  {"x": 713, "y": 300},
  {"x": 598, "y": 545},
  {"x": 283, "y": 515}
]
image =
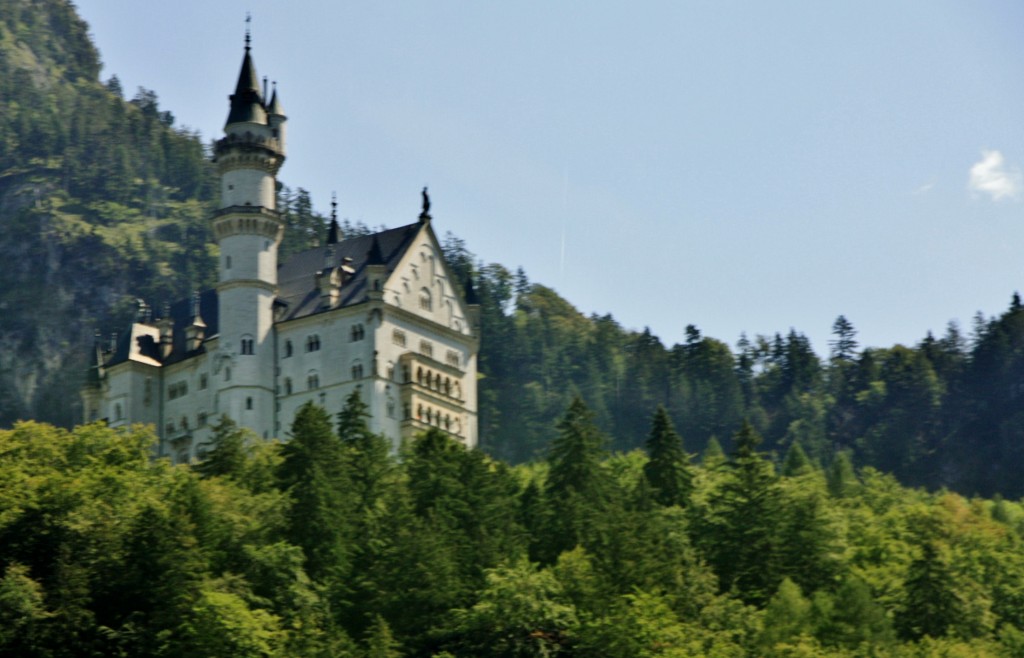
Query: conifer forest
[{"x": 630, "y": 497}]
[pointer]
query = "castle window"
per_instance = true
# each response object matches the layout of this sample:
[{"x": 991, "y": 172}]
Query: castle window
[
  {"x": 391, "y": 371},
  {"x": 227, "y": 262},
  {"x": 202, "y": 419},
  {"x": 248, "y": 404},
  {"x": 406, "y": 375},
  {"x": 288, "y": 386},
  {"x": 452, "y": 358},
  {"x": 248, "y": 346},
  {"x": 398, "y": 337},
  {"x": 288, "y": 348},
  {"x": 357, "y": 333},
  {"x": 203, "y": 382},
  {"x": 391, "y": 408},
  {"x": 357, "y": 371},
  {"x": 426, "y": 304},
  {"x": 406, "y": 411},
  {"x": 426, "y": 348},
  {"x": 313, "y": 381},
  {"x": 227, "y": 374},
  {"x": 447, "y": 386},
  {"x": 118, "y": 412},
  {"x": 170, "y": 428},
  {"x": 312, "y": 343},
  {"x": 419, "y": 376},
  {"x": 323, "y": 399},
  {"x": 184, "y": 424}
]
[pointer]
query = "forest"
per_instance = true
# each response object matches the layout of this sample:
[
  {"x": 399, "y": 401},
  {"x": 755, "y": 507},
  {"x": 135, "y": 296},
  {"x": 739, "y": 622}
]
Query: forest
[
  {"x": 104, "y": 200},
  {"x": 632, "y": 497},
  {"x": 328, "y": 545}
]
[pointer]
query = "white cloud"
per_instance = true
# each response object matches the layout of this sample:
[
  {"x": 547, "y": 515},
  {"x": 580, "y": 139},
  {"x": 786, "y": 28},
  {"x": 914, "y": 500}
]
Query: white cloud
[
  {"x": 991, "y": 176},
  {"x": 924, "y": 189}
]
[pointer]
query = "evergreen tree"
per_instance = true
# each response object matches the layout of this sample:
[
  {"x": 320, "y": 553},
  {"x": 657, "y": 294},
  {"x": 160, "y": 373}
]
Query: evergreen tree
[
  {"x": 313, "y": 474},
  {"x": 796, "y": 462},
  {"x": 844, "y": 346},
  {"x": 667, "y": 470},
  {"x": 742, "y": 540},
  {"x": 932, "y": 605},
  {"x": 577, "y": 486},
  {"x": 842, "y": 480},
  {"x": 228, "y": 456}
]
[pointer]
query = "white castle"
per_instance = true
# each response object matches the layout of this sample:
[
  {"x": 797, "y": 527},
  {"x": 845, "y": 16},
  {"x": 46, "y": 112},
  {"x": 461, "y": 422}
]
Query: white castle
[{"x": 376, "y": 313}]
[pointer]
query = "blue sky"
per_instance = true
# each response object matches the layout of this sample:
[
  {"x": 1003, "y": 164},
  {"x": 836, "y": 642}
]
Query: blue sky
[{"x": 739, "y": 166}]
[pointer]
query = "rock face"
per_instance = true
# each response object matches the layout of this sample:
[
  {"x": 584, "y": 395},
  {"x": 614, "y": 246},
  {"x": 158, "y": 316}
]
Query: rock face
[{"x": 101, "y": 201}]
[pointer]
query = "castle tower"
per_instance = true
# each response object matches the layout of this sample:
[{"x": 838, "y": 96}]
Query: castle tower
[{"x": 248, "y": 230}]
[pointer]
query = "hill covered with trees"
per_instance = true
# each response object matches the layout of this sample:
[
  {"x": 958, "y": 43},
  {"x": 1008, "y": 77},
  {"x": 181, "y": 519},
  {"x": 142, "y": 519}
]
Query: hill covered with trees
[
  {"x": 329, "y": 546},
  {"x": 103, "y": 200}
]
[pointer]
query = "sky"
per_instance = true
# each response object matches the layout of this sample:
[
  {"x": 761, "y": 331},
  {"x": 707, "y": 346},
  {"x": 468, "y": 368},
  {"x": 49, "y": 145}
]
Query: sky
[{"x": 740, "y": 166}]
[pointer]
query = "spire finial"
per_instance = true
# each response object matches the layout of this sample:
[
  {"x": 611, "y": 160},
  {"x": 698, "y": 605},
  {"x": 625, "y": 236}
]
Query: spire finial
[
  {"x": 248, "y": 36},
  {"x": 334, "y": 232}
]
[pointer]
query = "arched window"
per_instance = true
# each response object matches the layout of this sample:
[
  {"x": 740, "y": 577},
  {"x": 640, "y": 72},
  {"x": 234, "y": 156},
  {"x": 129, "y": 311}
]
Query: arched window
[
  {"x": 248, "y": 404},
  {"x": 288, "y": 348},
  {"x": 248, "y": 345},
  {"x": 419, "y": 376},
  {"x": 313, "y": 381},
  {"x": 426, "y": 303},
  {"x": 287, "y": 385},
  {"x": 357, "y": 371}
]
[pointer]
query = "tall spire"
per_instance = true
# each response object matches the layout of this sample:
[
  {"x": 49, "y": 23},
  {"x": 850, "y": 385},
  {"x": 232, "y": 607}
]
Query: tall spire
[
  {"x": 247, "y": 101},
  {"x": 334, "y": 232}
]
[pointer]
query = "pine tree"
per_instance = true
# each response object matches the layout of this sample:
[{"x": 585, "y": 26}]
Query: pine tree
[
  {"x": 667, "y": 470},
  {"x": 742, "y": 541},
  {"x": 228, "y": 456},
  {"x": 313, "y": 474},
  {"x": 796, "y": 462},
  {"x": 932, "y": 605}
]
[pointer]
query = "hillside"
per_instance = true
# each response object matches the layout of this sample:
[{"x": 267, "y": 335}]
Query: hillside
[{"x": 104, "y": 201}]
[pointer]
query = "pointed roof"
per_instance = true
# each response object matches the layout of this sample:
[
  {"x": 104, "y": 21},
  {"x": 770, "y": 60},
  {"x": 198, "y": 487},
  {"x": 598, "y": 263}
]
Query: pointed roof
[
  {"x": 247, "y": 102},
  {"x": 333, "y": 232},
  {"x": 375, "y": 256},
  {"x": 274, "y": 107}
]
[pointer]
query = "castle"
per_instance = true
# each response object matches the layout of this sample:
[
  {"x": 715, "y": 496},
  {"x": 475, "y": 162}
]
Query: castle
[{"x": 376, "y": 313}]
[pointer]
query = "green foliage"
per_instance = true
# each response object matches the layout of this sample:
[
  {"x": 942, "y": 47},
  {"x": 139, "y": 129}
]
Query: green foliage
[{"x": 667, "y": 472}]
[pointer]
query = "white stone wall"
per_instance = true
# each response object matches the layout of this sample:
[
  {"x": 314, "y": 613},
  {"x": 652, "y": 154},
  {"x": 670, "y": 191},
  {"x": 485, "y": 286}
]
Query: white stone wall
[{"x": 247, "y": 187}]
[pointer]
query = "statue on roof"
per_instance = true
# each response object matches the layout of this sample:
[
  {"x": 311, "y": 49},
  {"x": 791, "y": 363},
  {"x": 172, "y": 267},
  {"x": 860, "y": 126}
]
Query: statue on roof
[{"x": 426, "y": 202}]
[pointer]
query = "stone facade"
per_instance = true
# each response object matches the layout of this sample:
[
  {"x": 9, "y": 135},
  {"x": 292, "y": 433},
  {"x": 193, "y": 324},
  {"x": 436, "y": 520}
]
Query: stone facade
[{"x": 377, "y": 313}]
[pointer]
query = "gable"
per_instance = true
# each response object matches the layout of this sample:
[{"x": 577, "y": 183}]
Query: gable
[{"x": 422, "y": 284}]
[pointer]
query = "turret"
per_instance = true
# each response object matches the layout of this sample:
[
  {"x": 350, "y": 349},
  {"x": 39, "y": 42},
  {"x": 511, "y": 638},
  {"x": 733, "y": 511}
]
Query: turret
[
  {"x": 276, "y": 118},
  {"x": 195, "y": 332},
  {"x": 248, "y": 231}
]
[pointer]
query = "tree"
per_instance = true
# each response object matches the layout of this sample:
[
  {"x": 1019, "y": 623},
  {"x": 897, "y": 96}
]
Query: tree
[
  {"x": 577, "y": 485},
  {"x": 932, "y": 605},
  {"x": 741, "y": 542},
  {"x": 796, "y": 462},
  {"x": 313, "y": 474},
  {"x": 844, "y": 346},
  {"x": 667, "y": 470},
  {"x": 228, "y": 456}
]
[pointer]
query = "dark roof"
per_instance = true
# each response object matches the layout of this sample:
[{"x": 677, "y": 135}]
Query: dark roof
[
  {"x": 274, "y": 106},
  {"x": 296, "y": 279},
  {"x": 247, "y": 102},
  {"x": 181, "y": 315},
  {"x": 298, "y": 294}
]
